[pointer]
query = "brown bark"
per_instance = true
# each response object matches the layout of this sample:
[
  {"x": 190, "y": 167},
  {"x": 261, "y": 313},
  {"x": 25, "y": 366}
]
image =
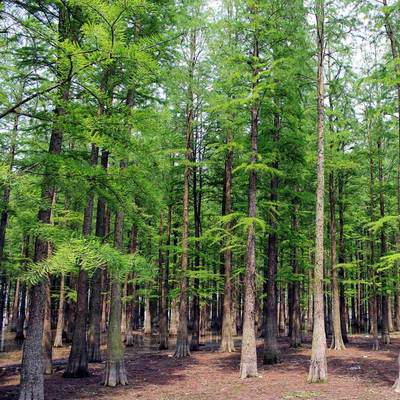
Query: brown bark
[
  {"x": 385, "y": 303},
  {"x": 248, "y": 360},
  {"x": 94, "y": 354},
  {"x": 115, "y": 373},
  {"x": 342, "y": 259},
  {"x": 46, "y": 341},
  {"x": 197, "y": 199},
  {"x": 31, "y": 386},
  {"x": 60, "y": 315},
  {"x": 227, "y": 344},
  {"x": 131, "y": 300},
  {"x": 182, "y": 341},
  {"x": 78, "y": 358},
  {"x": 337, "y": 340},
  {"x": 318, "y": 367},
  {"x": 163, "y": 274},
  {"x": 295, "y": 337},
  {"x": 271, "y": 348}
]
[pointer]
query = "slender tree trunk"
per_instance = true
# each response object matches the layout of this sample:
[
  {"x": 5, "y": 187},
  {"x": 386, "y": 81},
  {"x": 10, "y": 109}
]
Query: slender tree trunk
[
  {"x": 60, "y": 315},
  {"x": 342, "y": 259},
  {"x": 31, "y": 386},
  {"x": 78, "y": 357},
  {"x": 385, "y": 303},
  {"x": 115, "y": 373},
  {"x": 182, "y": 341},
  {"x": 337, "y": 341},
  {"x": 295, "y": 339},
  {"x": 248, "y": 360},
  {"x": 227, "y": 344},
  {"x": 95, "y": 310},
  {"x": 163, "y": 283},
  {"x": 318, "y": 366},
  {"x": 47, "y": 339},
  {"x": 16, "y": 300},
  {"x": 131, "y": 301},
  {"x": 271, "y": 348},
  {"x": 197, "y": 198}
]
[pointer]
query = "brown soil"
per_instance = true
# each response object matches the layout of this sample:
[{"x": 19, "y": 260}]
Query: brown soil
[{"x": 358, "y": 373}]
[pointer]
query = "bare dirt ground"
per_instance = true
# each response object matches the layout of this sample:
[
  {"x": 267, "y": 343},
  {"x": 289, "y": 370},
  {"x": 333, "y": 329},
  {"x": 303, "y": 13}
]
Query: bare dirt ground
[{"x": 358, "y": 373}]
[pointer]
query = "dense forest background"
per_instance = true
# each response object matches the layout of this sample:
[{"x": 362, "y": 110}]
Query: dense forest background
[{"x": 182, "y": 167}]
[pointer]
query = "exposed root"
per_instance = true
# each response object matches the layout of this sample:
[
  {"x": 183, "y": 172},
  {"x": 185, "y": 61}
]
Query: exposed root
[
  {"x": 94, "y": 354},
  {"x": 318, "y": 372},
  {"x": 227, "y": 346},
  {"x": 115, "y": 374},
  {"x": 182, "y": 349},
  {"x": 248, "y": 370}
]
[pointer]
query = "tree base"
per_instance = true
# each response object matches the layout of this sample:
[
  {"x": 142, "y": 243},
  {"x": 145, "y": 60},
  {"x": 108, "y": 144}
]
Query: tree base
[
  {"x": 76, "y": 370},
  {"x": 182, "y": 349},
  {"x": 94, "y": 355},
  {"x": 134, "y": 340},
  {"x": 227, "y": 346},
  {"x": 271, "y": 357},
  {"x": 385, "y": 338},
  {"x": 57, "y": 343},
  {"x": 115, "y": 374},
  {"x": 396, "y": 386},
  {"x": 163, "y": 343},
  {"x": 31, "y": 393},
  {"x": 337, "y": 345},
  {"x": 248, "y": 370},
  {"x": 318, "y": 372}
]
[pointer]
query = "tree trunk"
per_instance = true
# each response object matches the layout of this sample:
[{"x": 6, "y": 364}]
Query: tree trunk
[
  {"x": 342, "y": 259},
  {"x": 295, "y": 338},
  {"x": 60, "y": 315},
  {"x": 163, "y": 282},
  {"x": 47, "y": 339},
  {"x": 31, "y": 386},
  {"x": 197, "y": 198},
  {"x": 131, "y": 301},
  {"x": 95, "y": 310},
  {"x": 78, "y": 357},
  {"x": 271, "y": 348},
  {"x": 318, "y": 366},
  {"x": 248, "y": 360},
  {"x": 337, "y": 341},
  {"x": 385, "y": 302},
  {"x": 115, "y": 373},
  {"x": 182, "y": 341},
  {"x": 19, "y": 331},
  {"x": 227, "y": 344},
  {"x": 14, "y": 318}
]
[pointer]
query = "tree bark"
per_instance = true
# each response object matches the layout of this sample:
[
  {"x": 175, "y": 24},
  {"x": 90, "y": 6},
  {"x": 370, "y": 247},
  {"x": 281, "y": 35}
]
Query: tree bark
[
  {"x": 115, "y": 373},
  {"x": 95, "y": 310},
  {"x": 248, "y": 360},
  {"x": 337, "y": 340},
  {"x": 47, "y": 339},
  {"x": 227, "y": 344},
  {"x": 163, "y": 282},
  {"x": 271, "y": 348},
  {"x": 318, "y": 367},
  {"x": 295, "y": 338},
  {"x": 131, "y": 301},
  {"x": 60, "y": 315},
  {"x": 182, "y": 341},
  {"x": 78, "y": 357}
]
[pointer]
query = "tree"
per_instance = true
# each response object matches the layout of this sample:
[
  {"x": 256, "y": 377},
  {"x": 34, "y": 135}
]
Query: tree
[{"x": 318, "y": 367}]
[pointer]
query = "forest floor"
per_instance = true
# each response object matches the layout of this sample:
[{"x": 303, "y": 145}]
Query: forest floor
[{"x": 355, "y": 374}]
